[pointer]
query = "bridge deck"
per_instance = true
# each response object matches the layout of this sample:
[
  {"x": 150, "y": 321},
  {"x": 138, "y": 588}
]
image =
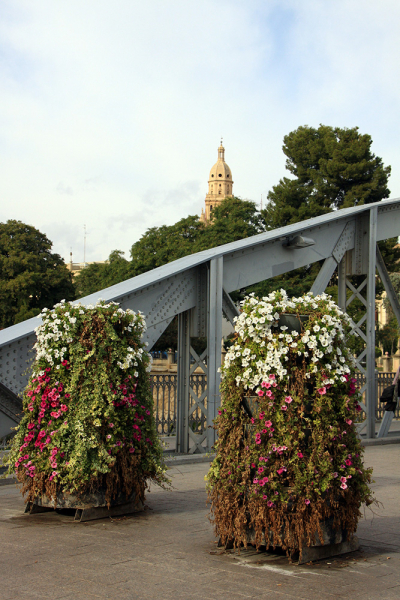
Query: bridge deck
[{"x": 169, "y": 551}]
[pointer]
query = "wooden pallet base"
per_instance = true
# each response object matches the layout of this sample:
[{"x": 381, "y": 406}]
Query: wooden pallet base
[
  {"x": 314, "y": 553},
  {"x": 334, "y": 542},
  {"x": 87, "y": 507}
]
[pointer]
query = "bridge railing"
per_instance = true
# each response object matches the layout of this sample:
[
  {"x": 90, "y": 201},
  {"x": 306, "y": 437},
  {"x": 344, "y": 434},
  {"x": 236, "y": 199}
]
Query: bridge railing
[
  {"x": 164, "y": 388},
  {"x": 382, "y": 381},
  {"x": 165, "y": 397}
]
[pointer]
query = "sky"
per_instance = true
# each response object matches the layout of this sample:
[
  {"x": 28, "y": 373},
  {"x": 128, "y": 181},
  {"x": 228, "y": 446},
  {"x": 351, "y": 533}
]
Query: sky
[{"x": 111, "y": 113}]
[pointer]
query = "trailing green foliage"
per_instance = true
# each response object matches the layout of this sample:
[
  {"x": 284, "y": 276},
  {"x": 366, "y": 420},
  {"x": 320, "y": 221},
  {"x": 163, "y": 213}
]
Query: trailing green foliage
[{"x": 88, "y": 419}]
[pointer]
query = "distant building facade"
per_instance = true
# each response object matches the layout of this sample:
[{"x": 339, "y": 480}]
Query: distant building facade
[
  {"x": 220, "y": 185},
  {"x": 76, "y": 268}
]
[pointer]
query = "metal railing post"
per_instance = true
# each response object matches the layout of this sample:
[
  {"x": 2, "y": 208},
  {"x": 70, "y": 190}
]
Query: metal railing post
[
  {"x": 370, "y": 331},
  {"x": 182, "y": 396},
  {"x": 214, "y": 337}
]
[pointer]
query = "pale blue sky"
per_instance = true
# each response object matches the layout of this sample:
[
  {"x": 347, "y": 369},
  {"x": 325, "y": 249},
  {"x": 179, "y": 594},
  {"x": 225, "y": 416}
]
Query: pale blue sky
[{"x": 111, "y": 112}]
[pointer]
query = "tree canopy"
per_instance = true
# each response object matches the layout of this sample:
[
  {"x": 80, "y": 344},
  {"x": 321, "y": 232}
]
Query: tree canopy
[
  {"x": 99, "y": 276},
  {"x": 332, "y": 168},
  {"x": 234, "y": 219},
  {"x": 31, "y": 276},
  {"x": 161, "y": 245}
]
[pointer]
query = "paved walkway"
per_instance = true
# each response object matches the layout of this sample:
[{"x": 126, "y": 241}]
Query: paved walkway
[{"x": 169, "y": 551}]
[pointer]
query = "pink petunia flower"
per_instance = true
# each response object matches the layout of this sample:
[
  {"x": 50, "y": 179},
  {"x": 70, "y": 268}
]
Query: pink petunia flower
[
  {"x": 284, "y": 407},
  {"x": 307, "y": 501},
  {"x": 288, "y": 399},
  {"x": 300, "y": 454},
  {"x": 343, "y": 486},
  {"x": 322, "y": 390}
]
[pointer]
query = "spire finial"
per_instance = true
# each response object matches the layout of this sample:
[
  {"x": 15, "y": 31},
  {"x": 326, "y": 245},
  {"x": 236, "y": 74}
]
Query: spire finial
[{"x": 221, "y": 151}]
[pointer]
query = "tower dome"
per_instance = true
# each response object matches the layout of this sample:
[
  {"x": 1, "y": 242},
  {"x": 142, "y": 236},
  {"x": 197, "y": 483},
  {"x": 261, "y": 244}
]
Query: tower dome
[
  {"x": 220, "y": 170},
  {"x": 219, "y": 184}
]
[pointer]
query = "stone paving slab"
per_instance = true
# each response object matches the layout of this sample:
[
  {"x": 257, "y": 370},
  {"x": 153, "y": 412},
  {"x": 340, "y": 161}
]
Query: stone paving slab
[{"x": 169, "y": 551}]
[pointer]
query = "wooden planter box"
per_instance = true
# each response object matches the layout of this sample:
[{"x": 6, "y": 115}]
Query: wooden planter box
[
  {"x": 334, "y": 542},
  {"x": 88, "y": 506}
]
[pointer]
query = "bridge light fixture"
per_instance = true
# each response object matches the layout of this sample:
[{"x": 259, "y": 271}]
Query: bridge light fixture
[{"x": 298, "y": 241}]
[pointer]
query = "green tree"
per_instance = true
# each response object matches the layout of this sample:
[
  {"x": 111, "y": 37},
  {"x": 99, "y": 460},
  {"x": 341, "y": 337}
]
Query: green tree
[
  {"x": 234, "y": 219},
  {"x": 388, "y": 334},
  {"x": 161, "y": 245},
  {"x": 332, "y": 168},
  {"x": 31, "y": 276},
  {"x": 98, "y": 276}
]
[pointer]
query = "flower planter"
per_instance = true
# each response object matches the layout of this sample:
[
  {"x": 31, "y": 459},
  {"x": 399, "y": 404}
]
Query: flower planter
[
  {"x": 288, "y": 460},
  {"x": 88, "y": 419}
]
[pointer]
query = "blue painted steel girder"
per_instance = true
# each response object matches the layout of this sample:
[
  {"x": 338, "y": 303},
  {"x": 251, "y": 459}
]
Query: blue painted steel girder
[{"x": 199, "y": 284}]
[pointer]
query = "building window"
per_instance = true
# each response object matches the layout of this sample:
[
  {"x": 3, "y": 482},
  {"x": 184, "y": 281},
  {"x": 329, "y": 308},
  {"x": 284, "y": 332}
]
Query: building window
[
  {"x": 212, "y": 175},
  {"x": 219, "y": 174},
  {"x": 227, "y": 174},
  {"x": 219, "y": 191}
]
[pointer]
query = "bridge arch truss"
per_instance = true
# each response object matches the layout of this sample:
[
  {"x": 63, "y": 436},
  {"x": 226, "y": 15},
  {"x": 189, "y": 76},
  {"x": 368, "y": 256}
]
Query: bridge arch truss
[{"x": 197, "y": 289}]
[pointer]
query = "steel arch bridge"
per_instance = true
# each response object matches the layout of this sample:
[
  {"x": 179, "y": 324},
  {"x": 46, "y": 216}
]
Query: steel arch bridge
[{"x": 196, "y": 288}]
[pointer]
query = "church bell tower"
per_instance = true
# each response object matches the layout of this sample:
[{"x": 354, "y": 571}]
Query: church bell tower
[{"x": 219, "y": 185}]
